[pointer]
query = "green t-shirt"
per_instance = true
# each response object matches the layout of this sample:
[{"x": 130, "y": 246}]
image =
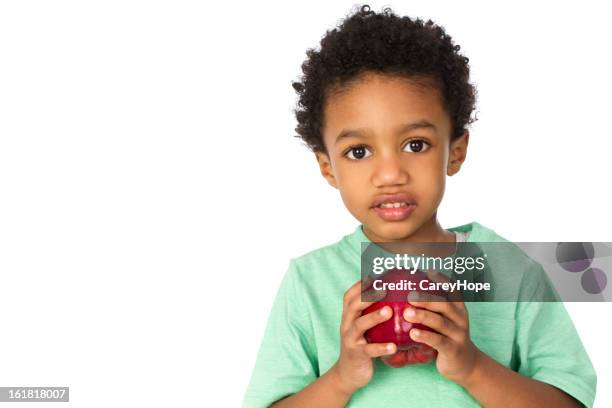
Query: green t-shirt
[{"x": 301, "y": 339}]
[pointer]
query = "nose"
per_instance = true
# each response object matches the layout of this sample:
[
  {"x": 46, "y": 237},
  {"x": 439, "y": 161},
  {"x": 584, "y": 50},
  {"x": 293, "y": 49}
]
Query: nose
[{"x": 389, "y": 171}]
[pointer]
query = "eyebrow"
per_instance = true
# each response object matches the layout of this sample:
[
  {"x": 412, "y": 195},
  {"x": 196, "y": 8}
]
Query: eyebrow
[{"x": 407, "y": 127}]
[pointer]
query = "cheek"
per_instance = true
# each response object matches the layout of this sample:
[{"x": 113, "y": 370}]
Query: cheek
[
  {"x": 431, "y": 178},
  {"x": 438, "y": 184},
  {"x": 350, "y": 181},
  {"x": 352, "y": 196},
  {"x": 353, "y": 191}
]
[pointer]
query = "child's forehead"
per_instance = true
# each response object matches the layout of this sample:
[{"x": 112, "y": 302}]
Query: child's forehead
[{"x": 383, "y": 102}]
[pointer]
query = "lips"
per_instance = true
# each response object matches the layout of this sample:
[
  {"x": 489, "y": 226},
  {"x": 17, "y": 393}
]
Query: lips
[
  {"x": 393, "y": 198},
  {"x": 394, "y": 214},
  {"x": 394, "y": 207}
]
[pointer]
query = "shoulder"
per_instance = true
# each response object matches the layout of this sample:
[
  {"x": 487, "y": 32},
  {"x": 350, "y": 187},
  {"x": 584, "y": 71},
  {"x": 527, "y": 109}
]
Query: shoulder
[
  {"x": 328, "y": 256},
  {"x": 328, "y": 268},
  {"x": 501, "y": 247},
  {"x": 516, "y": 274}
]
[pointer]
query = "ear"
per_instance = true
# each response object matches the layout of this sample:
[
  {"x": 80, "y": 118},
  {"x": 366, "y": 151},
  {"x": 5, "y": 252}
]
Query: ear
[
  {"x": 326, "y": 168},
  {"x": 457, "y": 154}
]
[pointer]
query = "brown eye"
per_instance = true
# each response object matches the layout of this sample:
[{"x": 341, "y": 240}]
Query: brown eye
[
  {"x": 357, "y": 153},
  {"x": 417, "y": 146}
]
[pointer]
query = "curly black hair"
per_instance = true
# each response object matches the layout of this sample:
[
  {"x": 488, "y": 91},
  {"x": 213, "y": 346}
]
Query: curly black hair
[{"x": 383, "y": 43}]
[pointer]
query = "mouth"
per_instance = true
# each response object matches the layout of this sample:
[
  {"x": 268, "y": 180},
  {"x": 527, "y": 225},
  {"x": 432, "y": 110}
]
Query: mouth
[
  {"x": 399, "y": 213},
  {"x": 394, "y": 204},
  {"x": 394, "y": 207}
]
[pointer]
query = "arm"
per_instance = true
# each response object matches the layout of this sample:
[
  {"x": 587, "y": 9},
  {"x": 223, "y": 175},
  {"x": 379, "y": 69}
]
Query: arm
[
  {"x": 459, "y": 360},
  {"x": 495, "y": 385},
  {"x": 354, "y": 368},
  {"x": 326, "y": 389}
]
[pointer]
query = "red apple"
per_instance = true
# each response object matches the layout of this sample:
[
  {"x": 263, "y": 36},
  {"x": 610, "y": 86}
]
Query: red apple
[{"x": 396, "y": 329}]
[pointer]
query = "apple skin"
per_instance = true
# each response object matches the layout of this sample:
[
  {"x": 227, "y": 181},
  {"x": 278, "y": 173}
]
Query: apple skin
[{"x": 396, "y": 329}]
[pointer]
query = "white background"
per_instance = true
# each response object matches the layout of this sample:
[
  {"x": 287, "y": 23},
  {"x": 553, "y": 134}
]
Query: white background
[{"x": 152, "y": 192}]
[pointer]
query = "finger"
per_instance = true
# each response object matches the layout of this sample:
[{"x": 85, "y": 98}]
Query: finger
[
  {"x": 356, "y": 307},
  {"x": 455, "y": 298},
  {"x": 460, "y": 312},
  {"x": 436, "y": 276},
  {"x": 374, "y": 350},
  {"x": 447, "y": 309},
  {"x": 367, "y": 281},
  {"x": 350, "y": 294},
  {"x": 358, "y": 288},
  {"x": 434, "y": 340},
  {"x": 370, "y": 294},
  {"x": 370, "y": 320},
  {"x": 352, "y": 305},
  {"x": 434, "y": 321},
  {"x": 425, "y": 297}
]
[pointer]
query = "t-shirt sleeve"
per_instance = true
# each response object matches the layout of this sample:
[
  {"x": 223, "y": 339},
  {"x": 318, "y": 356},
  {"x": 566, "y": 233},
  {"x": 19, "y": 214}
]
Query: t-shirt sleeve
[
  {"x": 286, "y": 362},
  {"x": 549, "y": 348}
]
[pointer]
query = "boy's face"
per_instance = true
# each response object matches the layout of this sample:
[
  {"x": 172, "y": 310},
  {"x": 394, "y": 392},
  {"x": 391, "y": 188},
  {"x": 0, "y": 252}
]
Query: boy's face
[{"x": 383, "y": 154}]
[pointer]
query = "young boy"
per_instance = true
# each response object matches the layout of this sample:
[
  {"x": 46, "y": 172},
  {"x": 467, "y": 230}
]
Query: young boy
[{"x": 384, "y": 105}]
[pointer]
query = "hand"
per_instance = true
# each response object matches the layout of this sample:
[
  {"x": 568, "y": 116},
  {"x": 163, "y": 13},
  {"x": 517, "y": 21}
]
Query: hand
[
  {"x": 354, "y": 368},
  {"x": 457, "y": 355}
]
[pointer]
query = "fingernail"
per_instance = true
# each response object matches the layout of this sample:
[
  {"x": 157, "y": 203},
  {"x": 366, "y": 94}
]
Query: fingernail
[
  {"x": 409, "y": 312},
  {"x": 390, "y": 347},
  {"x": 415, "y": 332},
  {"x": 384, "y": 311}
]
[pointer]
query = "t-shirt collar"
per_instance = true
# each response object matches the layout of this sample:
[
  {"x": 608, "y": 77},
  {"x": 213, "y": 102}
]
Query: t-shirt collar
[{"x": 358, "y": 236}]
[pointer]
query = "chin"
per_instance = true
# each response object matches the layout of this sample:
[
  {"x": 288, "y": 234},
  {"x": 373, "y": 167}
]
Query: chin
[
  {"x": 393, "y": 230},
  {"x": 399, "y": 230}
]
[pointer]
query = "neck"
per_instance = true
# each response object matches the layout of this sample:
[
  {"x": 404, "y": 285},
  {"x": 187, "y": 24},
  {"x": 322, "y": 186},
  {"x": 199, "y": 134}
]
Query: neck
[{"x": 431, "y": 231}]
